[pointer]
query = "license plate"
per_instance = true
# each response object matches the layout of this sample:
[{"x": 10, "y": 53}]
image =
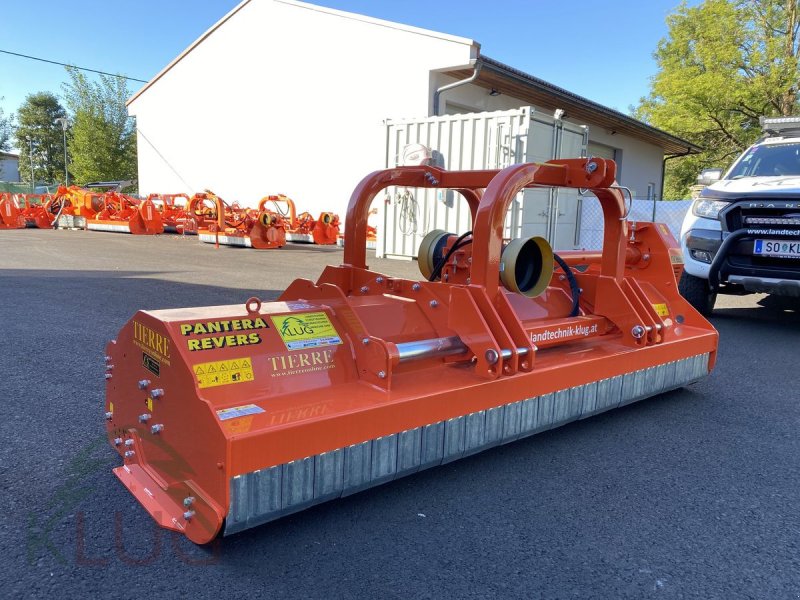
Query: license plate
[{"x": 780, "y": 248}]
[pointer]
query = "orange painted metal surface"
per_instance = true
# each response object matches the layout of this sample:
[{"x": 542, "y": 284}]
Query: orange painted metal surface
[
  {"x": 11, "y": 216},
  {"x": 121, "y": 213},
  {"x": 231, "y": 225},
  {"x": 109, "y": 211},
  {"x": 73, "y": 201},
  {"x": 18, "y": 211},
  {"x": 173, "y": 209},
  {"x": 303, "y": 227},
  {"x": 200, "y": 212},
  {"x": 199, "y": 397},
  {"x": 277, "y": 201},
  {"x": 79, "y": 202},
  {"x": 35, "y": 211}
]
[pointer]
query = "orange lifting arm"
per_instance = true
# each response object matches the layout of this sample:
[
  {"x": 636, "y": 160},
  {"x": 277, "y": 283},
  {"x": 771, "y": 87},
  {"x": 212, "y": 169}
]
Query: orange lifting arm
[
  {"x": 284, "y": 199},
  {"x": 468, "y": 183},
  {"x": 191, "y": 208},
  {"x": 212, "y": 197},
  {"x": 172, "y": 197},
  {"x": 576, "y": 173},
  {"x": 220, "y": 203}
]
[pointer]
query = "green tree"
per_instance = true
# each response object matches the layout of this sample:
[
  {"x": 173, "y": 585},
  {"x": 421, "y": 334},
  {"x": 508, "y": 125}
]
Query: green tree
[
  {"x": 6, "y": 124},
  {"x": 102, "y": 142},
  {"x": 40, "y": 138},
  {"x": 723, "y": 64}
]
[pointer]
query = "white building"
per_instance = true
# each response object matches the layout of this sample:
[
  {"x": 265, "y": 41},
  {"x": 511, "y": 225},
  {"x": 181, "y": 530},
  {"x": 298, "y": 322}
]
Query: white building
[
  {"x": 9, "y": 167},
  {"x": 286, "y": 97}
]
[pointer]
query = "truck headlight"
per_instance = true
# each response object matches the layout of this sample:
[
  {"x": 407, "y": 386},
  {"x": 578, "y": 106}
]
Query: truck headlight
[{"x": 708, "y": 208}]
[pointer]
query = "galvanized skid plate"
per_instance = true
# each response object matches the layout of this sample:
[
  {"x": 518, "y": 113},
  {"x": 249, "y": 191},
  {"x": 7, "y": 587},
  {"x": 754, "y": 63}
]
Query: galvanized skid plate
[{"x": 268, "y": 494}]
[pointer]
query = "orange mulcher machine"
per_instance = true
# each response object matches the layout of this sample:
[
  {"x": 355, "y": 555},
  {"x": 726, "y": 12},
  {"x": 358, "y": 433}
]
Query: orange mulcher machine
[
  {"x": 232, "y": 225},
  {"x": 18, "y": 211},
  {"x": 226, "y": 417},
  {"x": 323, "y": 231},
  {"x": 75, "y": 204},
  {"x": 121, "y": 213},
  {"x": 11, "y": 215},
  {"x": 172, "y": 208}
]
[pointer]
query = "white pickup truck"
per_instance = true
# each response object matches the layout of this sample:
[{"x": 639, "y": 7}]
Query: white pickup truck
[{"x": 742, "y": 234}]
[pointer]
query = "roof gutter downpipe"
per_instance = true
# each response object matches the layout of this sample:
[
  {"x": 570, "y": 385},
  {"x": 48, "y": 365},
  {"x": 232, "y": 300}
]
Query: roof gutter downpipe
[
  {"x": 455, "y": 84},
  {"x": 664, "y": 172}
]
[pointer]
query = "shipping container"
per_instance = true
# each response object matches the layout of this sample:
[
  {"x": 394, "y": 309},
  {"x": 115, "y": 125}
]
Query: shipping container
[{"x": 484, "y": 140}]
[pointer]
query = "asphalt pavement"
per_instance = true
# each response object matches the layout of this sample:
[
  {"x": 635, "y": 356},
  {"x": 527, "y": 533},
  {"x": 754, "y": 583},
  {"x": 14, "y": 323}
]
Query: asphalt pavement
[{"x": 692, "y": 494}]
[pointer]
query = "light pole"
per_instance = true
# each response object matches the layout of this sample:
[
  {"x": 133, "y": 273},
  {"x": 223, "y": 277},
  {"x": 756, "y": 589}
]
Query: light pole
[
  {"x": 33, "y": 178},
  {"x": 64, "y": 122}
]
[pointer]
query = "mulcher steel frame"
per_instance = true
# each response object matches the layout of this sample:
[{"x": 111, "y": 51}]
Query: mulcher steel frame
[{"x": 361, "y": 378}]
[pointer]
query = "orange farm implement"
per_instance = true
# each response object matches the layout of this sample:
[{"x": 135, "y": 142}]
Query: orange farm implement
[
  {"x": 124, "y": 214},
  {"x": 173, "y": 209},
  {"x": 35, "y": 210},
  {"x": 72, "y": 206},
  {"x": 77, "y": 201},
  {"x": 304, "y": 227},
  {"x": 18, "y": 211},
  {"x": 11, "y": 216},
  {"x": 227, "y": 417},
  {"x": 231, "y": 225},
  {"x": 201, "y": 212}
]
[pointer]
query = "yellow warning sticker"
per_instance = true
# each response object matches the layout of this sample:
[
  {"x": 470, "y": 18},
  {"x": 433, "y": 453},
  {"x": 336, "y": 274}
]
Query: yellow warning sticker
[
  {"x": 306, "y": 330},
  {"x": 223, "y": 372},
  {"x": 661, "y": 310},
  {"x": 149, "y": 403}
]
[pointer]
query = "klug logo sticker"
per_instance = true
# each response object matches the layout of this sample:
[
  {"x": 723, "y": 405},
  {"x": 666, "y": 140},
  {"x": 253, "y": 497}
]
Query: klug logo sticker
[{"x": 300, "y": 331}]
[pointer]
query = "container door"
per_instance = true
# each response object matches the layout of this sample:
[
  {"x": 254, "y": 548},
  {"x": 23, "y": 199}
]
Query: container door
[
  {"x": 553, "y": 213},
  {"x": 566, "y": 212}
]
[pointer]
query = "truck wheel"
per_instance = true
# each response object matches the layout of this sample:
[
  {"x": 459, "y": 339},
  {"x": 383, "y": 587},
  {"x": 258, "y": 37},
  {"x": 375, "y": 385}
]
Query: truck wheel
[{"x": 698, "y": 293}]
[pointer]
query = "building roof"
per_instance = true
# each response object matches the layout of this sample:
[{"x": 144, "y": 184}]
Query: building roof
[
  {"x": 8, "y": 154},
  {"x": 513, "y": 82}
]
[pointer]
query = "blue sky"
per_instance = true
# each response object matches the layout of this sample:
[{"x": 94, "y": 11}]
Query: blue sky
[{"x": 600, "y": 50}]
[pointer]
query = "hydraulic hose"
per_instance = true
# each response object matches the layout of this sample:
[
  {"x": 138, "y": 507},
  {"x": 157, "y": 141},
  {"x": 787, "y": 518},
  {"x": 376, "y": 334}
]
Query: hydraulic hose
[
  {"x": 459, "y": 243},
  {"x": 575, "y": 289}
]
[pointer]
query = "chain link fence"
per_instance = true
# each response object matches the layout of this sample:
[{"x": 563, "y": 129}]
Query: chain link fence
[
  {"x": 16, "y": 187},
  {"x": 669, "y": 212}
]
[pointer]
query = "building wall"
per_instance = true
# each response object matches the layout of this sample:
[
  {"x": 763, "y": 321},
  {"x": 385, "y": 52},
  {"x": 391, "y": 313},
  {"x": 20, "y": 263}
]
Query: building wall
[
  {"x": 639, "y": 163},
  {"x": 284, "y": 98},
  {"x": 9, "y": 168},
  {"x": 470, "y": 98},
  {"x": 290, "y": 98}
]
